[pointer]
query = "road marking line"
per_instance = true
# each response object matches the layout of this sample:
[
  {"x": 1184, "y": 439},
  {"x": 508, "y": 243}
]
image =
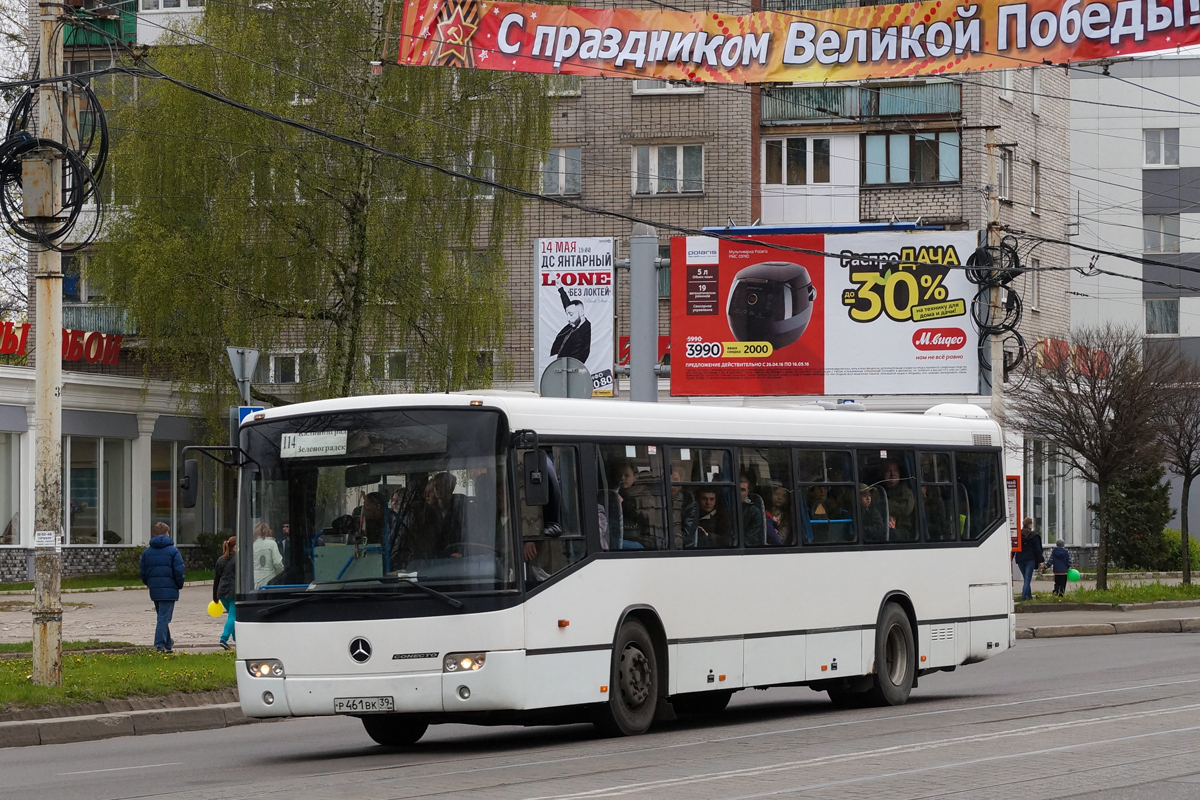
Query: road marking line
[
  {"x": 118, "y": 769},
  {"x": 984, "y": 760},
  {"x": 784, "y": 766}
]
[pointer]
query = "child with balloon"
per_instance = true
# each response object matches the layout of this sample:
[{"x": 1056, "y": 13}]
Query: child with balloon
[{"x": 1060, "y": 564}]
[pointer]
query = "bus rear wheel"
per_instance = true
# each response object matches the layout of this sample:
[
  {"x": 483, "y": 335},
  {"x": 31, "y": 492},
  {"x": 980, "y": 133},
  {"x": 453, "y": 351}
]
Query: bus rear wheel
[
  {"x": 633, "y": 687},
  {"x": 394, "y": 730},
  {"x": 895, "y": 658}
]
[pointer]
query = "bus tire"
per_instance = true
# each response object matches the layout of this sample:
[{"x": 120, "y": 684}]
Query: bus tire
[
  {"x": 895, "y": 658},
  {"x": 633, "y": 686},
  {"x": 394, "y": 730},
  {"x": 701, "y": 704}
]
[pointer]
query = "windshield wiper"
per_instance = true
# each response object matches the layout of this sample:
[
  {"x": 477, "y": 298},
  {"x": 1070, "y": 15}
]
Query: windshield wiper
[
  {"x": 271, "y": 611},
  {"x": 396, "y": 580}
]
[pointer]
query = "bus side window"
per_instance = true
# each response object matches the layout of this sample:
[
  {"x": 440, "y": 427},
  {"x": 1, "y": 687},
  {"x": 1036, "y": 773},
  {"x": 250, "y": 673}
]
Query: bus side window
[
  {"x": 888, "y": 475},
  {"x": 937, "y": 497},
  {"x": 978, "y": 492},
  {"x": 826, "y": 498},
  {"x": 552, "y": 535},
  {"x": 634, "y": 472},
  {"x": 767, "y": 474}
]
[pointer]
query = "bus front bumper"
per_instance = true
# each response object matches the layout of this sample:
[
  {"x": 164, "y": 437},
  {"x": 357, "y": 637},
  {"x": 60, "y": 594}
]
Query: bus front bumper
[{"x": 498, "y": 685}]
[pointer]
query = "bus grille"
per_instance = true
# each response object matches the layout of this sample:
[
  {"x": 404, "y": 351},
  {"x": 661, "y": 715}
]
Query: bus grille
[{"x": 942, "y": 633}]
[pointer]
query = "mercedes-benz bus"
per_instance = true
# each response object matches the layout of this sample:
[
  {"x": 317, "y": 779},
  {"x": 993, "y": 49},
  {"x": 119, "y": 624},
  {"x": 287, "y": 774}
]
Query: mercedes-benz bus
[{"x": 504, "y": 558}]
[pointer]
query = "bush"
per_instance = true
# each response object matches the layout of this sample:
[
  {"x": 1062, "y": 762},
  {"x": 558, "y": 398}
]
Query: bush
[
  {"x": 129, "y": 562},
  {"x": 209, "y": 545},
  {"x": 1138, "y": 509},
  {"x": 1174, "y": 557}
]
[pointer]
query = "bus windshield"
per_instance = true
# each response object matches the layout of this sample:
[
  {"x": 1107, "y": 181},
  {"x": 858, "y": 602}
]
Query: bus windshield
[{"x": 365, "y": 499}]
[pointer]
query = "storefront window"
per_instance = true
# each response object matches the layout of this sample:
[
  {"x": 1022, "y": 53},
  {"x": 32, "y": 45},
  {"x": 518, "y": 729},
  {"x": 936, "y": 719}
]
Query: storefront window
[
  {"x": 10, "y": 485},
  {"x": 117, "y": 494},
  {"x": 82, "y": 500}
]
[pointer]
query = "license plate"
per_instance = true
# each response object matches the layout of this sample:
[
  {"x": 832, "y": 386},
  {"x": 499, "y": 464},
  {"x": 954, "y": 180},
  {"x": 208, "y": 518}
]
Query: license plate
[{"x": 363, "y": 705}]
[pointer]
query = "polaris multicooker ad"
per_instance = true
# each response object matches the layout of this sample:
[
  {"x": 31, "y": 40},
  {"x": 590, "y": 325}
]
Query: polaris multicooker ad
[{"x": 771, "y": 302}]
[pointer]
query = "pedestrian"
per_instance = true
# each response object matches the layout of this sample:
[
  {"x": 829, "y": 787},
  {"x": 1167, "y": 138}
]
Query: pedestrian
[
  {"x": 1060, "y": 564},
  {"x": 225, "y": 586},
  {"x": 1029, "y": 557},
  {"x": 162, "y": 572}
]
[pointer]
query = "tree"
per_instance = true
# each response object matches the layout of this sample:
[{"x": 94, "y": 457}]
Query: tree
[
  {"x": 1179, "y": 438},
  {"x": 14, "y": 66},
  {"x": 237, "y": 229},
  {"x": 1098, "y": 398},
  {"x": 1138, "y": 508}
]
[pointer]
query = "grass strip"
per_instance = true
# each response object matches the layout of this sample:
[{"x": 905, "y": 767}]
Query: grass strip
[
  {"x": 102, "y": 581},
  {"x": 1118, "y": 593},
  {"x": 90, "y": 644},
  {"x": 93, "y": 677}
]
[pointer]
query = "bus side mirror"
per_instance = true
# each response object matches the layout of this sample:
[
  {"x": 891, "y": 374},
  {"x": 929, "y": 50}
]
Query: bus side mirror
[
  {"x": 189, "y": 484},
  {"x": 537, "y": 478}
]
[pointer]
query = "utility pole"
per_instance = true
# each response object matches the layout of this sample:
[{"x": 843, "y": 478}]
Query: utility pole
[
  {"x": 42, "y": 188},
  {"x": 643, "y": 314},
  {"x": 997, "y": 309}
]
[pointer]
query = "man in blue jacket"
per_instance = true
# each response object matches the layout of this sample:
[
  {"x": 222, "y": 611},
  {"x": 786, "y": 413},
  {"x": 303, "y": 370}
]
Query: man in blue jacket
[{"x": 162, "y": 572}]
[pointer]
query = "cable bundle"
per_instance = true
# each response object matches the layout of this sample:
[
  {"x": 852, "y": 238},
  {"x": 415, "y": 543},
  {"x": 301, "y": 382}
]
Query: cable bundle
[{"x": 992, "y": 267}]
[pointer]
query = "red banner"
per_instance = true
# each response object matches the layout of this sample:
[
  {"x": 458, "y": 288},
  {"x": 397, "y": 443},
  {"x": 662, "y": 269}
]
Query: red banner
[
  {"x": 880, "y": 41},
  {"x": 90, "y": 346}
]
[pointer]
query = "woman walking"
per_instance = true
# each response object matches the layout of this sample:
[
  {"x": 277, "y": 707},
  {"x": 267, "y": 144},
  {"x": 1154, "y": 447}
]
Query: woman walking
[
  {"x": 1029, "y": 557},
  {"x": 225, "y": 586}
]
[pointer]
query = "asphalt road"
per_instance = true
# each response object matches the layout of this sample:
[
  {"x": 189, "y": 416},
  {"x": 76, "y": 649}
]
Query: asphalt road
[{"x": 1103, "y": 717}]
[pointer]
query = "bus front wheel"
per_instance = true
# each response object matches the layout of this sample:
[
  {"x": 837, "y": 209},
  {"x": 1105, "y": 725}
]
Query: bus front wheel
[
  {"x": 895, "y": 658},
  {"x": 633, "y": 687},
  {"x": 394, "y": 730}
]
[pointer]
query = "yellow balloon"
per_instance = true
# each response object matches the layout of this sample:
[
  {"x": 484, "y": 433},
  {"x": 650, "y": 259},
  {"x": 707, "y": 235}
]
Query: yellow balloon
[{"x": 215, "y": 609}]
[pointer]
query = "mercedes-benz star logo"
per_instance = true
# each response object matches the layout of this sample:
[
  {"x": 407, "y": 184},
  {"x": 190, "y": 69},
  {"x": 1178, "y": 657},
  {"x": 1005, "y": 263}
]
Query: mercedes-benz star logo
[{"x": 360, "y": 650}]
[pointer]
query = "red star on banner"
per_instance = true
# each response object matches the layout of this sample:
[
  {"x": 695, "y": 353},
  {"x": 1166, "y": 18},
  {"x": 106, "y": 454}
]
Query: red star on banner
[{"x": 454, "y": 33}]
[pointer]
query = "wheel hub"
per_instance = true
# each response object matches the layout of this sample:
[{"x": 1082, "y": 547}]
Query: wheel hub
[
  {"x": 897, "y": 656},
  {"x": 634, "y": 676}
]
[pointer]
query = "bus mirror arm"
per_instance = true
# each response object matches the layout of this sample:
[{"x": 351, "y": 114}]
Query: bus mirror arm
[
  {"x": 537, "y": 487},
  {"x": 189, "y": 484}
]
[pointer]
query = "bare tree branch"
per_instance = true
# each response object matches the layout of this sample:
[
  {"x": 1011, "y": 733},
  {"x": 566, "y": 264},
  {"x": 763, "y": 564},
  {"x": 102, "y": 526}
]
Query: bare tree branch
[{"x": 1179, "y": 438}]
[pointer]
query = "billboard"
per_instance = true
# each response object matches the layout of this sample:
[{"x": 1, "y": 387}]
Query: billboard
[
  {"x": 874, "y": 41},
  {"x": 794, "y": 314},
  {"x": 574, "y": 304}
]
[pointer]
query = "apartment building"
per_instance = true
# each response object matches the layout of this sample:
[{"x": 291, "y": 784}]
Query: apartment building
[{"x": 1135, "y": 147}]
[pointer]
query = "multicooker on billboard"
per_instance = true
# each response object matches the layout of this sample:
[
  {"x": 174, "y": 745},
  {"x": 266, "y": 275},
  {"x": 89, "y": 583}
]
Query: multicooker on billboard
[{"x": 858, "y": 313}]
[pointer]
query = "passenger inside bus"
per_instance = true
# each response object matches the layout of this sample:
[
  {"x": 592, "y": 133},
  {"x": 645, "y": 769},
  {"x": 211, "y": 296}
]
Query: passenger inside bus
[
  {"x": 641, "y": 508},
  {"x": 781, "y": 514},
  {"x": 830, "y": 515},
  {"x": 714, "y": 528},
  {"x": 754, "y": 513},
  {"x": 891, "y": 472},
  {"x": 684, "y": 514},
  {"x": 875, "y": 528},
  {"x": 552, "y": 534}
]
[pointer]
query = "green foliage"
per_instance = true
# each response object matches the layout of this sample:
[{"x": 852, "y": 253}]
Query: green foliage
[
  {"x": 209, "y": 545},
  {"x": 1123, "y": 593},
  {"x": 128, "y": 562},
  {"x": 88, "y": 644},
  {"x": 92, "y": 677},
  {"x": 239, "y": 229},
  {"x": 1173, "y": 559},
  {"x": 1138, "y": 508}
]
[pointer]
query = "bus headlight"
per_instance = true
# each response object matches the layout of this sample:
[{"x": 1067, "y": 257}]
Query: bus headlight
[
  {"x": 265, "y": 668},
  {"x": 463, "y": 662}
]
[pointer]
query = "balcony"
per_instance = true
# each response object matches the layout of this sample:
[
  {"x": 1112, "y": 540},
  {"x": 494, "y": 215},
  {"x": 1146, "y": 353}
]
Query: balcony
[
  {"x": 96, "y": 317},
  {"x": 791, "y": 104},
  {"x": 123, "y": 26}
]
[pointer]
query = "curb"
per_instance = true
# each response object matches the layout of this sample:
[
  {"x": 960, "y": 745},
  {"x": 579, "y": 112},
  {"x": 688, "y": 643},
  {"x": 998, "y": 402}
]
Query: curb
[
  {"x": 186, "y": 584},
  {"x": 64, "y": 730},
  {"x": 1186, "y": 625},
  {"x": 1036, "y": 608}
]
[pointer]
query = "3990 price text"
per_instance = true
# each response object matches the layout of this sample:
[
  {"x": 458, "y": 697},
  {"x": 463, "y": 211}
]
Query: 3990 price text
[{"x": 704, "y": 350}]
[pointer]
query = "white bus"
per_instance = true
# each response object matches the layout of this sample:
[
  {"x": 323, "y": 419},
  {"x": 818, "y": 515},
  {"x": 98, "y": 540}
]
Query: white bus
[{"x": 503, "y": 558}]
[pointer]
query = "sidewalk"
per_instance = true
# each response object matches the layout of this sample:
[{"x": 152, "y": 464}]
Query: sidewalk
[
  {"x": 126, "y": 616},
  {"x": 1052, "y": 624}
]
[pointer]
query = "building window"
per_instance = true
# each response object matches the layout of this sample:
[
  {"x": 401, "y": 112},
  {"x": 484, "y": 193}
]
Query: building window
[
  {"x": 10, "y": 488},
  {"x": 97, "y": 490},
  {"x": 1035, "y": 281},
  {"x": 668, "y": 169},
  {"x": 1162, "y": 317},
  {"x": 1004, "y": 180},
  {"x": 478, "y": 166},
  {"x": 1162, "y": 147},
  {"x": 292, "y": 368},
  {"x": 564, "y": 86},
  {"x": 391, "y": 366},
  {"x": 666, "y": 87},
  {"x": 1008, "y": 82},
  {"x": 1035, "y": 186},
  {"x": 561, "y": 172},
  {"x": 1035, "y": 96},
  {"x": 902, "y": 158},
  {"x": 796, "y": 161},
  {"x": 1161, "y": 233}
]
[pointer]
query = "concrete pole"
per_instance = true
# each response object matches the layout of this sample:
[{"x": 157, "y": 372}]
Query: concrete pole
[
  {"x": 42, "y": 184},
  {"x": 643, "y": 314}
]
